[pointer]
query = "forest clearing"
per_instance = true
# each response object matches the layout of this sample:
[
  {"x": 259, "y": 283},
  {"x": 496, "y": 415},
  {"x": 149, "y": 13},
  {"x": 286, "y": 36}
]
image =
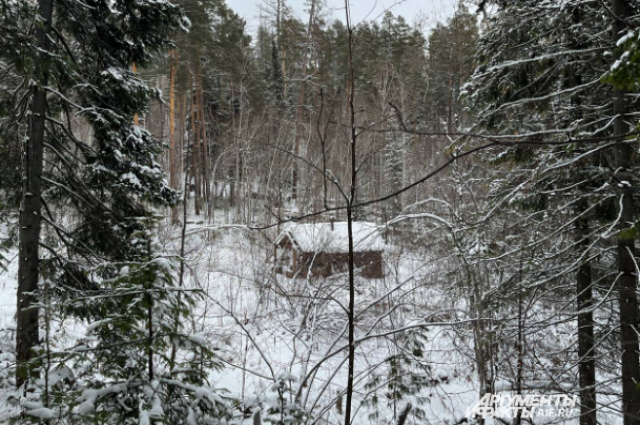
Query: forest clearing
[{"x": 319, "y": 212}]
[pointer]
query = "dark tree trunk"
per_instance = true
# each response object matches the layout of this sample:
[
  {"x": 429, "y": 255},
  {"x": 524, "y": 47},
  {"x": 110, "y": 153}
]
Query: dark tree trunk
[
  {"x": 352, "y": 196},
  {"x": 404, "y": 415},
  {"x": 587, "y": 362},
  {"x": 584, "y": 296},
  {"x": 30, "y": 222},
  {"x": 626, "y": 249},
  {"x": 205, "y": 145},
  {"x": 520, "y": 362},
  {"x": 351, "y": 313}
]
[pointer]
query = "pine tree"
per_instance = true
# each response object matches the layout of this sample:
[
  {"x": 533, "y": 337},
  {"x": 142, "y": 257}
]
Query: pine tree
[
  {"x": 548, "y": 92},
  {"x": 276, "y": 87},
  {"x": 99, "y": 263},
  {"x": 451, "y": 51},
  {"x": 624, "y": 180}
]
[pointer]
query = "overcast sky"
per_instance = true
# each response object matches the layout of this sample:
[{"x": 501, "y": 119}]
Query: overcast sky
[{"x": 429, "y": 11}]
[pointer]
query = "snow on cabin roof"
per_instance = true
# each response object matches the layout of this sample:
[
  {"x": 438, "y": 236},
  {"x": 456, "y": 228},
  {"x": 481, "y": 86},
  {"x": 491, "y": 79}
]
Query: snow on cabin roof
[{"x": 319, "y": 237}]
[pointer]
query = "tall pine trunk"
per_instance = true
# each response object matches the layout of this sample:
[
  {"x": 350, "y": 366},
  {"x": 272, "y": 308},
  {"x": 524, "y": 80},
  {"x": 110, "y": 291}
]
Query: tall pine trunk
[
  {"x": 196, "y": 145},
  {"x": 30, "y": 220},
  {"x": 205, "y": 144},
  {"x": 627, "y": 277},
  {"x": 303, "y": 86},
  {"x": 173, "y": 162},
  {"x": 183, "y": 141}
]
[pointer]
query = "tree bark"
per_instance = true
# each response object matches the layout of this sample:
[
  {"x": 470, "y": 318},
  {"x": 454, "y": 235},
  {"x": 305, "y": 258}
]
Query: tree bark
[
  {"x": 627, "y": 277},
  {"x": 299, "y": 112},
  {"x": 520, "y": 360},
  {"x": 480, "y": 336},
  {"x": 30, "y": 219},
  {"x": 196, "y": 146},
  {"x": 350, "y": 202},
  {"x": 173, "y": 166},
  {"x": 205, "y": 146},
  {"x": 584, "y": 291},
  {"x": 586, "y": 355}
]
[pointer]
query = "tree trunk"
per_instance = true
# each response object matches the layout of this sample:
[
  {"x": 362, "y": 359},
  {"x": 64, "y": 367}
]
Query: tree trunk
[
  {"x": 195, "y": 148},
  {"x": 183, "y": 163},
  {"x": 235, "y": 196},
  {"x": 303, "y": 87},
  {"x": 350, "y": 202},
  {"x": 480, "y": 334},
  {"x": 173, "y": 167},
  {"x": 584, "y": 291},
  {"x": 520, "y": 360},
  {"x": 626, "y": 248},
  {"x": 204, "y": 144},
  {"x": 30, "y": 220},
  {"x": 404, "y": 415},
  {"x": 587, "y": 363}
]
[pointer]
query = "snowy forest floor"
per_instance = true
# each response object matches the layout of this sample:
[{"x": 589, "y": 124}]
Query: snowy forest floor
[{"x": 269, "y": 328}]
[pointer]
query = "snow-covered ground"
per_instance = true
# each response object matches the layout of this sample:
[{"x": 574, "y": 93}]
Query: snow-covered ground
[{"x": 269, "y": 328}]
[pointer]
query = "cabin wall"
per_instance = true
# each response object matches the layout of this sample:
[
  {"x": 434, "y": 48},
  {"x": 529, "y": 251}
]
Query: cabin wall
[{"x": 325, "y": 264}]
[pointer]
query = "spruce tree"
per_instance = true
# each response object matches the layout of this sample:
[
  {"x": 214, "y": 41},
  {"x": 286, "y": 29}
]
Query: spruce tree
[
  {"x": 98, "y": 262},
  {"x": 538, "y": 83},
  {"x": 140, "y": 362}
]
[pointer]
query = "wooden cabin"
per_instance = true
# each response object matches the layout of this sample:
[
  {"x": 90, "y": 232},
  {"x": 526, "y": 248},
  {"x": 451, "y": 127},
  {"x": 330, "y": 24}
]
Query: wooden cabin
[{"x": 322, "y": 249}]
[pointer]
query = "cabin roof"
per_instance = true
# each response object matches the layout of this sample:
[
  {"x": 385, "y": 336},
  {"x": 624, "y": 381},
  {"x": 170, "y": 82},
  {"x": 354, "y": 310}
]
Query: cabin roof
[{"x": 319, "y": 237}]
